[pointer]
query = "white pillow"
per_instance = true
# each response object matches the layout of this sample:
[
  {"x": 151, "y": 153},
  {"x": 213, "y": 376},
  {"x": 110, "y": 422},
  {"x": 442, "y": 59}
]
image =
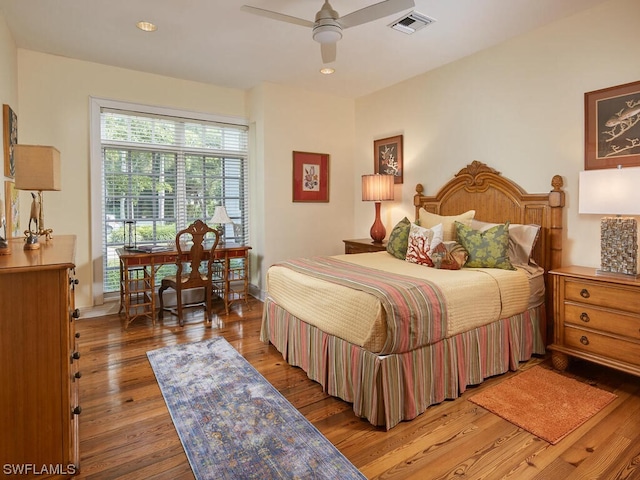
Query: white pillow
[{"x": 421, "y": 242}]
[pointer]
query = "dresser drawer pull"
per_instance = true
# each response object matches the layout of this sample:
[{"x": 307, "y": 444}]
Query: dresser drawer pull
[
  {"x": 77, "y": 410},
  {"x": 584, "y": 317},
  {"x": 584, "y": 293},
  {"x": 584, "y": 340}
]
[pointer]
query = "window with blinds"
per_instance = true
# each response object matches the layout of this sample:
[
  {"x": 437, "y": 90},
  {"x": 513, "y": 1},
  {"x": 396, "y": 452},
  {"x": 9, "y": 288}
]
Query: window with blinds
[{"x": 164, "y": 173}]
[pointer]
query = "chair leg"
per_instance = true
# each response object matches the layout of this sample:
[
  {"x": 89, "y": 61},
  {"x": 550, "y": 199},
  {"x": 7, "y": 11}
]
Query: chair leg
[
  {"x": 160, "y": 303},
  {"x": 179, "y": 307}
]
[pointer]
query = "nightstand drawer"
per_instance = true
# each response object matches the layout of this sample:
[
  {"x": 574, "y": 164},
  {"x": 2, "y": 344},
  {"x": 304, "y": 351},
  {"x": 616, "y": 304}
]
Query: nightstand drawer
[
  {"x": 602, "y": 345},
  {"x": 603, "y": 295},
  {"x": 603, "y": 320}
]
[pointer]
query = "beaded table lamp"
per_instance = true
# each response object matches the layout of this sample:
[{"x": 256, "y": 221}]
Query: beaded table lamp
[{"x": 614, "y": 192}]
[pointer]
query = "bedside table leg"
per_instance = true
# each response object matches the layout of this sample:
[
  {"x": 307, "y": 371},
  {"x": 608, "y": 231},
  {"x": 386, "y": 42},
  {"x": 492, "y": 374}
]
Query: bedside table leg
[{"x": 560, "y": 361}]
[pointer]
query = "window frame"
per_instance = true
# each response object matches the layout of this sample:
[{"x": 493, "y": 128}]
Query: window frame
[{"x": 96, "y": 173}]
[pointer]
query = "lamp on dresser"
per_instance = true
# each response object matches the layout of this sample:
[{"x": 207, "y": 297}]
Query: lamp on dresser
[
  {"x": 37, "y": 168},
  {"x": 377, "y": 188},
  {"x": 614, "y": 191}
]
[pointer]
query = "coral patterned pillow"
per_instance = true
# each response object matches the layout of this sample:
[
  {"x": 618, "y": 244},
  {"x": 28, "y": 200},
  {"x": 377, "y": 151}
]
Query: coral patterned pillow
[{"x": 421, "y": 241}]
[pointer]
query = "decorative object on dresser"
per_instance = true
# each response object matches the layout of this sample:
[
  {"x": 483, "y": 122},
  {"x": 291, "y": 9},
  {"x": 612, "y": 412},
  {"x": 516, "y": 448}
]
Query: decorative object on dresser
[
  {"x": 363, "y": 245},
  {"x": 221, "y": 218},
  {"x": 387, "y": 157},
  {"x": 37, "y": 168},
  {"x": 39, "y": 356},
  {"x": 614, "y": 191},
  {"x": 4, "y": 245},
  {"x": 377, "y": 188},
  {"x": 597, "y": 318}
]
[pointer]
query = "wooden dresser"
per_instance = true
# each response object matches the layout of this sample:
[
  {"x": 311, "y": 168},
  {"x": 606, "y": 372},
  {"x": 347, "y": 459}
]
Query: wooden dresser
[
  {"x": 39, "y": 361},
  {"x": 597, "y": 318}
]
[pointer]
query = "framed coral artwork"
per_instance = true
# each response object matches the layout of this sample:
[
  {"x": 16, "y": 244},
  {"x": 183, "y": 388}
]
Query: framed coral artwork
[
  {"x": 612, "y": 127},
  {"x": 10, "y": 138},
  {"x": 12, "y": 209},
  {"x": 310, "y": 177},
  {"x": 387, "y": 157}
]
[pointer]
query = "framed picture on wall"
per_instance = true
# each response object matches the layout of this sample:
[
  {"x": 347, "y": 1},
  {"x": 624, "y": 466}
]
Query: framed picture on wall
[
  {"x": 310, "y": 177},
  {"x": 612, "y": 127},
  {"x": 10, "y": 138},
  {"x": 387, "y": 157},
  {"x": 12, "y": 209}
]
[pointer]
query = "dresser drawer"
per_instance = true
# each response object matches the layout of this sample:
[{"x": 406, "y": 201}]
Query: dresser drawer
[
  {"x": 602, "y": 345},
  {"x": 604, "y": 320},
  {"x": 614, "y": 296}
]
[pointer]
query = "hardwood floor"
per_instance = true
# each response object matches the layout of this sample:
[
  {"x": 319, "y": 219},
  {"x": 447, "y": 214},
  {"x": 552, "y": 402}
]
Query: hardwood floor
[{"x": 126, "y": 430}]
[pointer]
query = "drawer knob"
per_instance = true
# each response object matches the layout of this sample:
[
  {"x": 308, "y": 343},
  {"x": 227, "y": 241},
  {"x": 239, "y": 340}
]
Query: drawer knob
[
  {"x": 584, "y": 317},
  {"x": 584, "y": 340},
  {"x": 78, "y": 375},
  {"x": 75, "y": 355},
  {"x": 584, "y": 293},
  {"x": 77, "y": 410}
]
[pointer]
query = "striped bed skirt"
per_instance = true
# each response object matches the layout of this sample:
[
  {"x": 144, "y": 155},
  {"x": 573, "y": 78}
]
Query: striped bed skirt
[{"x": 387, "y": 389}]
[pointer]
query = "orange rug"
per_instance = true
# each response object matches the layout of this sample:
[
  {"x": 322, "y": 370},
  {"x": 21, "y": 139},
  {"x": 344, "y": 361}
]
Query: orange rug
[{"x": 544, "y": 403}]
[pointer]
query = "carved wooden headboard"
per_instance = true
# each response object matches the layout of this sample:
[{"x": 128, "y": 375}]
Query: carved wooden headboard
[{"x": 497, "y": 199}]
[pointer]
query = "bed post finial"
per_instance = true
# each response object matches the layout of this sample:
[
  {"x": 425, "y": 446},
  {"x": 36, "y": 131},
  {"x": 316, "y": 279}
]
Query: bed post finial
[{"x": 416, "y": 197}]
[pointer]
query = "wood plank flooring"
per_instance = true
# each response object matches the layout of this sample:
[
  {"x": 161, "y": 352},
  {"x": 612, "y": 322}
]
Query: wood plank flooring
[{"x": 126, "y": 431}]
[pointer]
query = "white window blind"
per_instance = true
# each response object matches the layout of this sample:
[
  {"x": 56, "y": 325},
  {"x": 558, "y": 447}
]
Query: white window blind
[{"x": 164, "y": 173}]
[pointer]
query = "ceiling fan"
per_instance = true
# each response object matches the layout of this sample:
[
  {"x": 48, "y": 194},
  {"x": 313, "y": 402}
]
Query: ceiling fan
[{"x": 328, "y": 25}]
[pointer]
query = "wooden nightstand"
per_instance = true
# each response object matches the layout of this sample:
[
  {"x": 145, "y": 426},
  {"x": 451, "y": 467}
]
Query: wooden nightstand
[
  {"x": 363, "y": 245},
  {"x": 597, "y": 318}
]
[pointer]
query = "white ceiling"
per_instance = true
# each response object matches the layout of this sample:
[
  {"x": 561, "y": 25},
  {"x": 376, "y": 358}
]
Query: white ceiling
[{"x": 213, "y": 41}]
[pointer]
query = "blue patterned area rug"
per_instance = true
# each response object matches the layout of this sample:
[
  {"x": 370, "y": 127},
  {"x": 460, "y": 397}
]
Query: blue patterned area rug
[{"x": 234, "y": 424}]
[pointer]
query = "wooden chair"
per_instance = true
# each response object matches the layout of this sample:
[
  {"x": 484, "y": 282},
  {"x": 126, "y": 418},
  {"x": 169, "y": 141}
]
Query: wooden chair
[{"x": 193, "y": 256}]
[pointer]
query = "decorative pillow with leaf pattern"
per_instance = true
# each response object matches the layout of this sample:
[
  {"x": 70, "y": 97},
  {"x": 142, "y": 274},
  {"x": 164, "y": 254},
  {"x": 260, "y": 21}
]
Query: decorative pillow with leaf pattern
[
  {"x": 399, "y": 238},
  {"x": 488, "y": 249}
]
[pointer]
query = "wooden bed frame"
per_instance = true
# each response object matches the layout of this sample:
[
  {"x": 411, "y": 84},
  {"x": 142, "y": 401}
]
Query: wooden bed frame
[
  {"x": 390, "y": 388},
  {"x": 497, "y": 199}
]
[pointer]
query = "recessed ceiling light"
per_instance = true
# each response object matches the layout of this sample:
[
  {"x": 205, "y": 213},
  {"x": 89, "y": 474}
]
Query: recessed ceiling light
[
  {"x": 327, "y": 70},
  {"x": 146, "y": 26}
]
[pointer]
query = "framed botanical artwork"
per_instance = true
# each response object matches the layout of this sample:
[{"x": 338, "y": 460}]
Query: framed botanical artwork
[
  {"x": 12, "y": 209},
  {"x": 387, "y": 157},
  {"x": 310, "y": 177},
  {"x": 10, "y": 138},
  {"x": 612, "y": 127}
]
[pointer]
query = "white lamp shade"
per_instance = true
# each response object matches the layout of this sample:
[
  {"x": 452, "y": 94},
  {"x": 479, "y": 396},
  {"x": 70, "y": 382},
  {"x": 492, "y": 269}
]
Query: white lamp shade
[
  {"x": 377, "y": 187},
  {"x": 612, "y": 191},
  {"x": 37, "y": 167},
  {"x": 220, "y": 215}
]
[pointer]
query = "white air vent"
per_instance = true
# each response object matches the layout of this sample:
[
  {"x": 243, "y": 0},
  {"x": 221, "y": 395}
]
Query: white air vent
[{"x": 412, "y": 22}]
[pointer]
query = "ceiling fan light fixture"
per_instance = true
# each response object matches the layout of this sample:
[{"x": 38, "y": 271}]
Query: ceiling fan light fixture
[
  {"x": 146, "y": 26},
  {"x": 329, "y": 33}
]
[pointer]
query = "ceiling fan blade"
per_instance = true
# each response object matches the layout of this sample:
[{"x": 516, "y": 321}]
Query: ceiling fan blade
[
  {"x": 277, "y": 16},
  {"x": 328, "y": 51},
  {"x": 374, "y": 12}
]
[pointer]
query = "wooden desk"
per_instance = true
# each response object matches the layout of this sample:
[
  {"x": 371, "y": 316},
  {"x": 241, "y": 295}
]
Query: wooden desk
[{"x": 138, "y": 271}]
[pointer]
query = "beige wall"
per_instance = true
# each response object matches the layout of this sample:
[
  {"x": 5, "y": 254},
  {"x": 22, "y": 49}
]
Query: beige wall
[
  {"x": 518, "y": 107},
  {"x": 290, "y": 120}
]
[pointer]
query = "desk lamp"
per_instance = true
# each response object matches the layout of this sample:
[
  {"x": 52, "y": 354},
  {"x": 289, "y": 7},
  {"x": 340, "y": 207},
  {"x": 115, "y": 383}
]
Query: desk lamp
[{"x": 221, "y": 217}]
